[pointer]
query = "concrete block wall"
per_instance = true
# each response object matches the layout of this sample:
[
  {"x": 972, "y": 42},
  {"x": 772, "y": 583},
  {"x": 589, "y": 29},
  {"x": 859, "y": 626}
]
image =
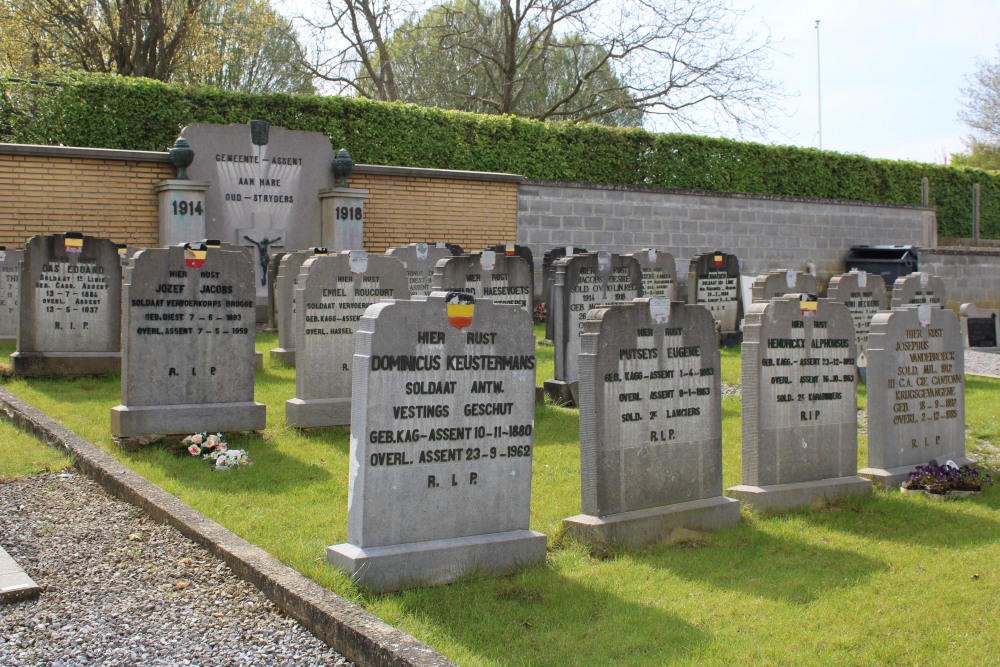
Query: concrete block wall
[
  {"x": 766, "y": 233},
  {"x": 971, "y": 275}
]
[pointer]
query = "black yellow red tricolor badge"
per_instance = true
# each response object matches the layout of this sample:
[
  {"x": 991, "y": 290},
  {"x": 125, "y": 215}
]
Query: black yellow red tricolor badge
[
  {"x": 808, "y": 304},
  {"x": 73, "y": 242},
  {"x": 460, "y": 309},
  {"x": 194, "y": 255},
  {"x": 717, "y": 260},
  {"x": 122, "y": 249},
  {"x": 509, "y": 250}
]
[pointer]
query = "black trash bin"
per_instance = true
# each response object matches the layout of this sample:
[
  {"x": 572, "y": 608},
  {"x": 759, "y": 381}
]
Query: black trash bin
[{"x": 888, "y": 261}]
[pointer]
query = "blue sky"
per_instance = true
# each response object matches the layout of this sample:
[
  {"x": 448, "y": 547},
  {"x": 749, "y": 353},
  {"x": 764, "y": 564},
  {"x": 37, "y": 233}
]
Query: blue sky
[{"x": 891, "y": 71}]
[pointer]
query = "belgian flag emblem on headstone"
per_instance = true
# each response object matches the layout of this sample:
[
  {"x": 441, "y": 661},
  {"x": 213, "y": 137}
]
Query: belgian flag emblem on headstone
[
  {"x": 194, "y": 255},
  {"x": 808, "y": 304},
  {"x": 460, "y": 309},
  {"x": 73, "y": 242},
  {"x": 122, "y": 250},
  {"x": 3, "y": 252},
  {"x": 509, "y": 250},
  {"x": 718, "y": 259}
]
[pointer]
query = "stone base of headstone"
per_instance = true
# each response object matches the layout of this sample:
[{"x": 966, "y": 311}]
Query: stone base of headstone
[
  {"x": 283, "y": 356},
  {"x": 561, "y": 392},
  {"x": 655, "y": 525},
  {"x": 40, "y": 364},
  {"x": 313, "y": 412},
  {"x": 127, "y": 422},
  {"x": 816, "y": 493},
  {"x": 393, "y": 567},
  {"x": 260, "y": 310},
  {"x": 891, "y": 478},
  {"x": 258, "y": 360}
]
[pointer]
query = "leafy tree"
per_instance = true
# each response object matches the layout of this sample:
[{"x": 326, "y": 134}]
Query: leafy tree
[
  {"x": 981, "y": 112},
  {"x": 622, "y": 62}
]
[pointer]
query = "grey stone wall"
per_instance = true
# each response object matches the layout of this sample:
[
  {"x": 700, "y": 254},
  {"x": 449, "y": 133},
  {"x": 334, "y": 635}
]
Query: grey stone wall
[
  {"x": 971, "y": 275},
  {"x": 766, "y": 233}
]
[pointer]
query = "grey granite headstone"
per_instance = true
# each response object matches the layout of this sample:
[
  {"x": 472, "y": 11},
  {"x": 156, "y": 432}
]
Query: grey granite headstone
[
  {"x": 188, "y": 343},
  {"x": 548, "y": 276},
  {"x": 70, "y": 302},
  {"x": 506, "y": 280},
  {"x": 714, "y": 282},
  {"x": 332, "y": 294},
  {"x": 10, "y": 292},
  {"x": 917, "y": 288},
  {"x": 916, "y": 392},
  {"x": 864, "y": 295},
  {"x": 980, "y": 328},
  {"x": 778, "y": 283},
  {"x": 419, "y": 260},
  {"x": 273, "y": 264},
  {"x": 522, "y": 251},
  {"x": 284, "y": 303},
  {"x": 659, "y": 273},
  {"x": 583, "y": 282},
  {"x": 800, "y": 422},
  {"x": 441, "y": 443},
  {"x": 650, "y": 425}
]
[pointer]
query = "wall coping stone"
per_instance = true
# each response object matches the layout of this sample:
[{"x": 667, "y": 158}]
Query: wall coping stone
[{"x": 728, "y": 195}]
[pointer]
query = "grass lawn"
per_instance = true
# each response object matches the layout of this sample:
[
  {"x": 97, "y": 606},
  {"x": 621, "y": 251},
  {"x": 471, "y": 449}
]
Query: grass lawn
[{"x": 890, "y": 579}]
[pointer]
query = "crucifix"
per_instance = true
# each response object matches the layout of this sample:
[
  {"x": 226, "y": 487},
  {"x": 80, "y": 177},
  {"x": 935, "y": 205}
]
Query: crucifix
[{"x": 262, "y": 254}]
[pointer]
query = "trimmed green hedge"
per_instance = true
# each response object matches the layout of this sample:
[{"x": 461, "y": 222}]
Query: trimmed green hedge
[{"x": 139, "y": 114}]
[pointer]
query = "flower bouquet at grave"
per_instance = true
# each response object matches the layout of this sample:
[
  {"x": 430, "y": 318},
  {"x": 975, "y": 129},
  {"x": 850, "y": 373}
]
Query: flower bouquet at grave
[
  {"x": 540, "y": 311},
  {"x": 946, "y": 479},
  {"x": 211, "y": 447}
]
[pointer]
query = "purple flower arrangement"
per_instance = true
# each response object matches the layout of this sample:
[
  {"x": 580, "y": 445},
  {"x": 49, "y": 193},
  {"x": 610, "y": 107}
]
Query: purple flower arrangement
[{"x": 939, "y": 480}]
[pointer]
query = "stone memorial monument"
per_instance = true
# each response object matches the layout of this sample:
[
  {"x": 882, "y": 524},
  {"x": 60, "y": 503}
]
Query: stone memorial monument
[
  {"x": 659, "y": 274},
  {"x": 864, "y": 295},
  {"x": 548, "y": 276},
  {"x": 583, "y": 282},
  {"x": 917, "y": 288},
  {"x": 70, "y": 307},
  {"x": 980, "y": 328},
  {"x": 800, "y": 422},
  {"x": 766, "y": 286},
  {"x": 916, "y": 392},
  {"x": 714, "y": 282},
  {"x": 273, "y": 263},
  {"x": 284, "y": 302},
  {"x": 188, "y": 343},
  {"x": 506, "y": 280},
  {"x": 10, "y": 288},
  {"x": 441, "y": 443},
  {"x": 419, "y": 260},
  {"x": 332, "y": 294},
  {"x": 650, "y": 425}
]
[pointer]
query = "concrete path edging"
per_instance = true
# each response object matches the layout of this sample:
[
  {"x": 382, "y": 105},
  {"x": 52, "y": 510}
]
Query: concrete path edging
[{"x": 355, "y": 633}]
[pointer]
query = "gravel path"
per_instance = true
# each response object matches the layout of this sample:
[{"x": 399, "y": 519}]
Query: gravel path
[
  {"x": 120, "y": 589},
  {"x": 982, "y": 363}
]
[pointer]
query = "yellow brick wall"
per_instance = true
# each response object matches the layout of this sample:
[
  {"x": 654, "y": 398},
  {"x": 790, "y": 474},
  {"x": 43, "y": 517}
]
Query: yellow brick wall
[
  {"x": 105, "y": 198},
  {"x": 114, "y": 198},
  {"x": 400, "y": 210}
]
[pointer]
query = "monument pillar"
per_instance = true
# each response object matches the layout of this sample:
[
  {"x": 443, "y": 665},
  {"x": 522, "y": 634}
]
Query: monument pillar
[
  {"x": 182, "y": 210},
  {"x": 342, "y": 218}
]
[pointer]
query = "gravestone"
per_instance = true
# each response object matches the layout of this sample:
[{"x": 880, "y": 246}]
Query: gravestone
[
  {"x": 917, "y": 288},
  {"x": 10, "y": 292},
  {"x": 659, "y": 274},
  {"x": 70, "y": 307},
  {"x": 800, "y": 422},
  {"x": 650, "y": 425},
  {"x": 864, "y": 295},
  {"x": 419, "y": 260},
  {"x": 284, "y": 303},
  {"x": 583, "y": 282},
  {"x": 505, "y": 280},
  {"x": 778, "y": 283},
  {"x": 273, "y": 264},
  {"x": 549, "y": 259},
  {"x": 916, "y": 392},
  {"x": 332, "y": 294},
  {"x": 188, "y": 343},
  {"x": 714, "y": 282},
  {"x": 980, "y": 328},
  {"x": 441, "y": 443}
]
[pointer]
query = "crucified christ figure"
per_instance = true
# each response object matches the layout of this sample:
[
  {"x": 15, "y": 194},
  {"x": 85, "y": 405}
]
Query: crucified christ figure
[{"x": 262, "y": 250}]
